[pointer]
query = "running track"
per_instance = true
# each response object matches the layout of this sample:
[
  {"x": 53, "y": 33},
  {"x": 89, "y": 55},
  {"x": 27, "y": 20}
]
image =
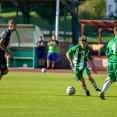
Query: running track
[{"x": 49, "y": 71}]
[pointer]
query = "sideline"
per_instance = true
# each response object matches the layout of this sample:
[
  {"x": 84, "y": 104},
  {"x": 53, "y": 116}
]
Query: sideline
[{"x": 49, "y": 71}]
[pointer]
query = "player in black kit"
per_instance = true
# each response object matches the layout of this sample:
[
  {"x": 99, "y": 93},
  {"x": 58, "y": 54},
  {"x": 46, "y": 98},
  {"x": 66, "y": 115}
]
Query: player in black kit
[{"x": 4, "y": 40}]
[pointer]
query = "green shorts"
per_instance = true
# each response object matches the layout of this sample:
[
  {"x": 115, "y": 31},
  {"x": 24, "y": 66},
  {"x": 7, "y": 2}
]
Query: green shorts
[
  {"x": 112, "y": 71},
  {"x": 79, "y": 73}
]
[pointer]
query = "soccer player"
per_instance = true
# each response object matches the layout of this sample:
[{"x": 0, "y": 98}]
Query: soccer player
[
  {"x": 4, "y": 41},
  {"x": 40, "y": 51},
  {"x": 52, "y": 52},
  {"x": 111, "y": 52},
  {"x": 78, "y": 57}
]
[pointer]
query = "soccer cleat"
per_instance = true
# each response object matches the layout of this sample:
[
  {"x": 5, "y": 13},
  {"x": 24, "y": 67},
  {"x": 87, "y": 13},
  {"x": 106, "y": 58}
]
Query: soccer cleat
[
  {"x": 53, "y": 68},
  {"x": 101, "y": 95},
  {"x": 88, "y": 93},
  {"x": 98, "y": 90},
  {"x": 48, "y": 68}
]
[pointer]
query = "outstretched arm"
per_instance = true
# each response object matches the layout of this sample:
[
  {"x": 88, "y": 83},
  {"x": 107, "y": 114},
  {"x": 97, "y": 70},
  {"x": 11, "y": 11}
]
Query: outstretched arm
[
  {"x": 70, "y": 60},
  {"x": 93, "y": 66},
  {"x": 4, "y": 48}
]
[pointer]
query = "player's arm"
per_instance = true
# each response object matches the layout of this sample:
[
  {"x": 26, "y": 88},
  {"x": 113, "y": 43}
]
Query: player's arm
[
  {"x": 49, "y": 43},
  {"x": 37, "y": 44},
  {"x": 92, "y": 61},
  {"x": 107, "y": 50},
  {"x": 2, "y": 46},
  {"x": 93, "y": 66},
  {"x": 56, "y": 43},
  {"x": 42, "y": 43},
  {"x": 69, "y": 55}
]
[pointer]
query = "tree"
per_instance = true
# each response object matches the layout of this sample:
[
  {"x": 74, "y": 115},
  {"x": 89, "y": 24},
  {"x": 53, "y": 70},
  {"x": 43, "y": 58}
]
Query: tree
[
  {"x": 92, "y": 9},
  {"x": 47, "y": 11},
  {"x": 99, "y": 7}
]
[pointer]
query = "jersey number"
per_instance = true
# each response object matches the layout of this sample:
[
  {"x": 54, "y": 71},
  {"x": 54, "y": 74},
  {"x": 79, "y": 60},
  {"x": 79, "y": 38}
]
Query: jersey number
[{"x": 114, "y": 48}]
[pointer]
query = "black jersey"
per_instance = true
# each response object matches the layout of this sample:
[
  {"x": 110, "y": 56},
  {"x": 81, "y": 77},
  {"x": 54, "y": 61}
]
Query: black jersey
[{"x": 6, "y": 34}]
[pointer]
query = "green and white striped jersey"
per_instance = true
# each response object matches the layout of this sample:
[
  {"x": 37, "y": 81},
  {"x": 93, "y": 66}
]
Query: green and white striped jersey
[{"x": 80, "y": 56}]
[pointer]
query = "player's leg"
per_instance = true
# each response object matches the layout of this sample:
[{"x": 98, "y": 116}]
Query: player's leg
[
  {"x": 42, "y": 62},
  {"x": 54, "y": 57},
  {"x": 86, "y": 71},
  {"x": 108, "y": 79},
  {"x": 41, "y": 58},
  {"x": 83, "y": 84},
  {"x": 8, "y": 60},
  {"x": 111, "y": 77},
  {"x": 49, "y": 58},
  {"x": 79, "y": 76},
  {"x": 3, "y": 67}
]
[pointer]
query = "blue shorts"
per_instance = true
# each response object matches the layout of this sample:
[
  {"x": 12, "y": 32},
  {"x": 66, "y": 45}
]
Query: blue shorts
[
  {"x": 40, "y": 54},
  {"x": 51, "y": 56}
]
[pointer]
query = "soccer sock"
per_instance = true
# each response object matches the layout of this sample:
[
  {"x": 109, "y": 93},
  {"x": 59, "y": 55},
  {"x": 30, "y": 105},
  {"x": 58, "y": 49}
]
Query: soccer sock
[
  {"x": 85, "y": 88},
  {"x": 106, "y": 86},
  {"x": 94, "y": 85}
]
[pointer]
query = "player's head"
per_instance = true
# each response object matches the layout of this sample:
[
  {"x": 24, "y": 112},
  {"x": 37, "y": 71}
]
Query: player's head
[
  {"x": 12, "y": 25},
  {"x": 40, "y": 38},
  {"x": 115, "y": 31},
  {"x": 83, "y": 42},
  {"x": 53, "y": 37}
]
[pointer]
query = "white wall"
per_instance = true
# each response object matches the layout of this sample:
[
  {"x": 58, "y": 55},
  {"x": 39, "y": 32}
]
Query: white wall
[{"x": 110, "y": 7}]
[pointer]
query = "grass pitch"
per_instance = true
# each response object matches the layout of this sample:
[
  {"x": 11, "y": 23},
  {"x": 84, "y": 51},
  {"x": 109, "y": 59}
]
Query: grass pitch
[{"x": 44, "y": 95}]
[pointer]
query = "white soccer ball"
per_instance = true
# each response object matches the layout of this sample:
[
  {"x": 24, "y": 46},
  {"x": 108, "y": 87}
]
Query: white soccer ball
[
  {"x": 70, "y": 90},
  {"x": 43, "y": 70}
]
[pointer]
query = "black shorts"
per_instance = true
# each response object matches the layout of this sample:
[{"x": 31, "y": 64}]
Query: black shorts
[{"x": 3, "y": 65}]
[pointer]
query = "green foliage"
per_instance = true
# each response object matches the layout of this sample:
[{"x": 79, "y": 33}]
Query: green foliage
[
  {"x": 46, "y": 11},
  {"x": 99, "y": 7},
  {"x": 44, "y": 95},
  {"x": 92, "y": 9}
]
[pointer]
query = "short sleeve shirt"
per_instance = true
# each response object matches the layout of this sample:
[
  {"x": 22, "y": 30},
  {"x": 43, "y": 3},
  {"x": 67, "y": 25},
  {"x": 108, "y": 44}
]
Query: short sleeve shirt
[
  {"x": 6, "y": 34},
  {"x": 41, "y": 48},
  {"x": 53, "y": 49},
  {"x": 111, "y": 50},
  {"x": 80, "y": 55}
]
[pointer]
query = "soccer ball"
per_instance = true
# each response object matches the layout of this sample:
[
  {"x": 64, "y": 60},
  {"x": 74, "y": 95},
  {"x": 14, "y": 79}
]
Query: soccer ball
[
  {"x": 70, "y": 90},
  {"x": 43, "y": 70}
]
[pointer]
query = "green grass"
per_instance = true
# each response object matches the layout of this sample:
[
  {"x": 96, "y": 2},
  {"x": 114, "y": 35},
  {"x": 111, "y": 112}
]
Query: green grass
[{"x": 44, "y": 95}]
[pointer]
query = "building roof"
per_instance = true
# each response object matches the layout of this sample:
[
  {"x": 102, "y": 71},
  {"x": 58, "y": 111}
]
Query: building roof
[{"x": 102, "y": 24}]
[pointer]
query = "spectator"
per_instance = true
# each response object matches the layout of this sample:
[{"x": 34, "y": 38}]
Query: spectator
[
  {"x": 40, "y": 51},
  {"x": 52, "y": 52}
]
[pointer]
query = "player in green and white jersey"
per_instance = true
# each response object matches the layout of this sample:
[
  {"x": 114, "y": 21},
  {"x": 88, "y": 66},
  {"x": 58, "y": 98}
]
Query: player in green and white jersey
[
  {"x": 78, "y": 57},
  {"x": 111, "y": 52}
]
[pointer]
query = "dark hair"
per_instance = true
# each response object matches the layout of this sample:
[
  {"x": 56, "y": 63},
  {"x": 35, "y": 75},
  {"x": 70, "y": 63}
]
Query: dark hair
[
  {"x": 54, "y": 35},
  {"x": 83, "y": 38}
]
